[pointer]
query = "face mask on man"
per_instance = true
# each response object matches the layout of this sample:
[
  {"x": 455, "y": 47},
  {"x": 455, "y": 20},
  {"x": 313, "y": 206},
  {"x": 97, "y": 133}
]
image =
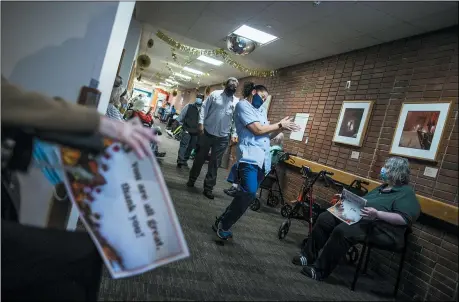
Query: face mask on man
[
  {"x": 198, "y": 102},
  {"x": 257, "y": 101},
  {"x": 383, "y": 174}
]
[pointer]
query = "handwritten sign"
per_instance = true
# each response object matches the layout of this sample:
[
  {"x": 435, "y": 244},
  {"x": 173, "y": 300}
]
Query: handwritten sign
[{"x": 126, "y": 208}]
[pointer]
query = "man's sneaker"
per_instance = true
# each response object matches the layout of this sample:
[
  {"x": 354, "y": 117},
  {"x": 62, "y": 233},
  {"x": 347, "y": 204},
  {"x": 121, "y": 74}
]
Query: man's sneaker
[
  {"x": 182, "y": 165},
  {"x": 190, "y": 184},
  {"x": 216, "y": 224},
  {"x": 312, "y": 273},
  {"x": 222, "y": 234},
  {"x": 300, "y": 260},
  {"x": 208, "y": 194},
  {"x": 231, "y": 191}
]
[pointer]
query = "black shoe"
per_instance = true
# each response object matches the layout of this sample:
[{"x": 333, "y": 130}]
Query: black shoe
[
  {"x": 208, "y": 194},
  {"x": 300, "y": 260},
  {"x": 182, "y": 165},
  {"x": 231, "y": 191},
  {"x": 160, "y": 154},
  {"x": 190, "y": 184},
  {"x": 312, "y": 273}
]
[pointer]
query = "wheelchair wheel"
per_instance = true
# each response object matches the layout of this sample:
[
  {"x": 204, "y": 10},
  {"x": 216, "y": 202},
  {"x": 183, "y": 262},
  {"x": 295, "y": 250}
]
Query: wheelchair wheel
[
  {"x": 352, "y": 255},
  {"x": 273, "y": 200},
  {"x": 286, "y": 210},
  {"x": 255, "y": 206},
  {"x": 283, "y": 230}
]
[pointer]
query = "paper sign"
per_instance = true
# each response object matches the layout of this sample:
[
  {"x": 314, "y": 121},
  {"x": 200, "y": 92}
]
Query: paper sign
[
  {"x": 349, "y": 210},
  {"x": 126, "y": 208},
  {"x": 355, "y": 155},
  {"x": 430, "y": 172},
  {"x": 301, "y": 119}
]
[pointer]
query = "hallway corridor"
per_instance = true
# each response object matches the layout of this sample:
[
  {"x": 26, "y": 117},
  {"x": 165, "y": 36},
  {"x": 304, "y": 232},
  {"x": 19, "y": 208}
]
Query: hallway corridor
[{"x": 254, "y": 266}]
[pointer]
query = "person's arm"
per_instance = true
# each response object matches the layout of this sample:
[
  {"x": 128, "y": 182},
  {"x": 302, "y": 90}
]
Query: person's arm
[
  {"x": 182, "y": 114},
  {"x": 205, "y": 109},
  {"x": 285, "y": 124},
  {"x": 392, "y": 218},
  {"x": 405, "y": 211},
  {"x": 28, "y": 109}
]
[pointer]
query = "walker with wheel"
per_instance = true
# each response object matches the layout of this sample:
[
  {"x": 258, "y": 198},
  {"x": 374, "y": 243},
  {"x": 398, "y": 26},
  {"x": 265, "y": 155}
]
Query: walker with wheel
[
  {"x": 305, "y": 202},
  {"x": 272, "y": 184}
]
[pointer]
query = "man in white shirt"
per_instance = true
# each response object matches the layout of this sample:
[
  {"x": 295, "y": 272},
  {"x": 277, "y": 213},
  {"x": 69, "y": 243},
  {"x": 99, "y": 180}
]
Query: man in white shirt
[{"x": 214, "y": 126}]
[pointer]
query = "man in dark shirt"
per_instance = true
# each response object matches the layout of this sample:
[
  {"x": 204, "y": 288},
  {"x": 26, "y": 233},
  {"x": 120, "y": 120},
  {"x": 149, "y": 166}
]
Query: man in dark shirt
[
  {"x": 390, "y": 208},
  {"x": 189, "y": 118}
]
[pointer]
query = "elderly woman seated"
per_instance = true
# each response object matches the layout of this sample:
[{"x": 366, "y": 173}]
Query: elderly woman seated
[{"x": 390, "y": 206}]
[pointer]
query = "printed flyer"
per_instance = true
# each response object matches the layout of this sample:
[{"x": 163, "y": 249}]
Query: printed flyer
[
  {"x": 125, "y": 205},
  {"x": 349, "y": 209}
]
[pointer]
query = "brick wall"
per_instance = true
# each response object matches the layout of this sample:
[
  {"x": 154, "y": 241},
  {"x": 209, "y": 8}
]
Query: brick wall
[{"x": 421, "y": 68}]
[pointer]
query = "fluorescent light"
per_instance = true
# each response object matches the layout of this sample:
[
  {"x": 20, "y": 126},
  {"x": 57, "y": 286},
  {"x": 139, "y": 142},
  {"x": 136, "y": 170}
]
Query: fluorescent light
[
  {"x": 171, "y": 81},
  {"x": 192, "y": 70},
  {"x": 254, "y": 34},
  {"x": 210, "y": 60},
  {"x": 183, "y": 76},
  {"x": 165, "y": 84}
]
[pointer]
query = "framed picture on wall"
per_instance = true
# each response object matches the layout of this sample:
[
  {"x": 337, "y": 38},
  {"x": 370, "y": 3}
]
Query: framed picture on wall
[
  {"x": 352, "y": 122},
  {"x": 419, "y": 130}
]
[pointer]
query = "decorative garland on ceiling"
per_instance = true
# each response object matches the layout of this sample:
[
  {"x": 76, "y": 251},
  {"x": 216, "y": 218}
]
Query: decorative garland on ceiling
[{"x": 215, "y": 52}]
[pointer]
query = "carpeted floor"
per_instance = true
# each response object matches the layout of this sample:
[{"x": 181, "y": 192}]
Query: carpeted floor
[{"x": 254, "y": 266}]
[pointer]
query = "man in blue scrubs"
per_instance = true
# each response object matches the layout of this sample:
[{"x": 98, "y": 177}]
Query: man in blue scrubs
[{"x": 254, "y": 157}]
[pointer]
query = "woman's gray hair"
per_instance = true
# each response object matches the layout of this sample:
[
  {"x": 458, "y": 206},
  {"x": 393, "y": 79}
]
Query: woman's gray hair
[
  {"x": 397, "y": 171},
  {"x": 139, "y": 105}
]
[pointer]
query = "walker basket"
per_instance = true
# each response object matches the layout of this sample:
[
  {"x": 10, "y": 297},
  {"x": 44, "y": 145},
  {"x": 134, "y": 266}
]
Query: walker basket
[{"x": 268, "y": 181}]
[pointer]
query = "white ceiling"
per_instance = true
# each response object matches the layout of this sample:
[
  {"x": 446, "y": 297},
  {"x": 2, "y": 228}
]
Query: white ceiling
[{"x": 306, "y": 32}]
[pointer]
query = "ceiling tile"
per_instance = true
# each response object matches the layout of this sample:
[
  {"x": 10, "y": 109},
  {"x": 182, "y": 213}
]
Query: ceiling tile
[
  {"x": 210, "y": 28},
  {"x": 331, "y": 29},
  {"x": 398, "y": 31},
  {"x": 287, "y": 15},
  {"x": 365, "y": 19},
  {"x": 237, "y": 11},
  {"x": 356, "y": 43},
  {"x": 278, "y": 47},
  {"x": 324, "y": 9},
  {"x": 437, "y": 20},
  {"x": 409, "y": 10},
  {"x": 307, "y": 37},
  {"x": 306, "y": 32},
  {"x": 161, "y": 13}
]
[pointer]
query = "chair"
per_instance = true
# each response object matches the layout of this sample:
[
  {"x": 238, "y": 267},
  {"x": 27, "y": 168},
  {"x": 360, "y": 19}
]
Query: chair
[{"x": 366, "y": 249}]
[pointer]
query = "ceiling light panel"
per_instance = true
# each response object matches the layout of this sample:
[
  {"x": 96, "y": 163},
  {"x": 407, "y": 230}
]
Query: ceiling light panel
[
  {"x": 254, "y": 34},
  {"x": 183, "y": 76},
  {"x": 209, "y": 60},
  {"x": 192, "y": 70}
]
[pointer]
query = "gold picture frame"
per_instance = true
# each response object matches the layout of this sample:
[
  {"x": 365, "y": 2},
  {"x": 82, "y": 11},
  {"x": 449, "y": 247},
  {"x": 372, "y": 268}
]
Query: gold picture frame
[
  {"x": 420, "y": 130},
  {"x": 352, "y": 123}
]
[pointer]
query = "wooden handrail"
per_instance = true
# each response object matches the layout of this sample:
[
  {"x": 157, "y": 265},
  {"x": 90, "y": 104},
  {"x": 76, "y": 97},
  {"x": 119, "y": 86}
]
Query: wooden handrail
[{"x": 429, "y": 206}]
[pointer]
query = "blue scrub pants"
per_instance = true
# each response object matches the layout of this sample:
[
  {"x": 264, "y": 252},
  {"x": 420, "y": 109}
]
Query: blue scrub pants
[{"x": 250, "y": 177}]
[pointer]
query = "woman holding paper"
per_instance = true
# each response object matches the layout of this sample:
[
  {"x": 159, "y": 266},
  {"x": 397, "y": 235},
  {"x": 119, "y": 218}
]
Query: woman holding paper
[{"x": 392, "y": 205}]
